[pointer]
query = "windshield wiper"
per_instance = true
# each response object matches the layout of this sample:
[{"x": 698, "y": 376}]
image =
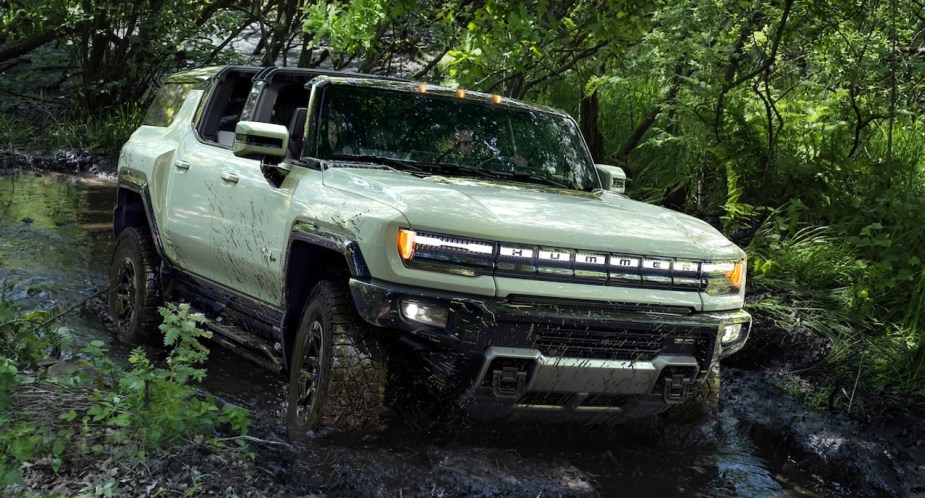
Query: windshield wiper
[
  {"x": 533, "y": 177},
  {"x": 463, "y": 169},
  {"x": 515, "y": 175},
  {"x": 388, "y": 161},
  {"x": 528, "y": 177}
]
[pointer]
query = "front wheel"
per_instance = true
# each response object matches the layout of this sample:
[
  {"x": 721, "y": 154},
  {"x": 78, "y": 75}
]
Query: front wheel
[
  {"x": 338, "y": 369},
  {"x": 134, "y": 290}
]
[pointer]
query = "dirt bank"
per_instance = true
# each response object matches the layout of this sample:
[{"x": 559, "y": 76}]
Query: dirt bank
[
  {"x": 59, "y": 161},
  {"x": 877, "y": 451}
]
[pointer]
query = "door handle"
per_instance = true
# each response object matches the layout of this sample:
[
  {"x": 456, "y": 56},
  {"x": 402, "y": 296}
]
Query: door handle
[
  {"x": 181, "y": 165},
  {"x": 229, "y": 177}
]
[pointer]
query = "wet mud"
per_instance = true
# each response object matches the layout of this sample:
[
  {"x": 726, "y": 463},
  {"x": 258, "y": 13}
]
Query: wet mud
[
  {"x": 55, "y": 242},
  {"x": 58, "y": 161}
]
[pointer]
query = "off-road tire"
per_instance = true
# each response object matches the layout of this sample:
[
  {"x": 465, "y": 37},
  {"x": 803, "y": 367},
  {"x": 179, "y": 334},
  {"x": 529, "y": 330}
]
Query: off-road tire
[
  {"x": 134, "y": 288},
  {"x": 338, "y": 368},
  {"x": 702, "y": 400}
]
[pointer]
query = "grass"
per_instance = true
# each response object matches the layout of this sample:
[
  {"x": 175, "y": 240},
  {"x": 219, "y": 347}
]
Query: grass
[
  {"x": 38, "y": 127},
  {"x": 809, "y": 280}
]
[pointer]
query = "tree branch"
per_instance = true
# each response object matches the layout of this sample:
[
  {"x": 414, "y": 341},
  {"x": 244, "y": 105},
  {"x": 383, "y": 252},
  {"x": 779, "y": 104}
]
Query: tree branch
[
  {"x": 430, "y": 65},
  {"x": 584, "y": 54},
  {"x": 769, "y": 61},
  {"x": 29, "y": 44}
]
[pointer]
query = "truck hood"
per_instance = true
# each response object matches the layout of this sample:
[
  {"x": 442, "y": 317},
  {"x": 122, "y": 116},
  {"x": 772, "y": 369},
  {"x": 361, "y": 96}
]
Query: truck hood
[{"x": 534, "y": 214}]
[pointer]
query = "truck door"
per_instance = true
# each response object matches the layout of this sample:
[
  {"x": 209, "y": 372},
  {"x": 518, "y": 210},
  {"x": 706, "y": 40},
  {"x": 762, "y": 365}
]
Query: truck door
[
  {"x": 189, "y": 216},
  {"x": 250, "y": 237},
  {"x": 198, "y": 172}
]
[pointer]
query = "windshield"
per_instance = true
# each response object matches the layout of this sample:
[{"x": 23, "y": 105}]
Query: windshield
[{"x": 453, "y": 136}]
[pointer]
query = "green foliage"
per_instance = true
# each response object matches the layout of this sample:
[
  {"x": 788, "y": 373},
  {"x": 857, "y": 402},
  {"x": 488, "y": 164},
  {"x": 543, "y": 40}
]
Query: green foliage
[
  {"x": 346, "y": 28},
  {"x": 102, "y": 408},
  {"x": 14, "y": 133},
  {"x": 810, "y": 259},
  {"x": 27, "y": 337},
  {"x": 99, "y": 132},
  {"x": 70, "y": 130},
  {"x": 157, "y": 407}
]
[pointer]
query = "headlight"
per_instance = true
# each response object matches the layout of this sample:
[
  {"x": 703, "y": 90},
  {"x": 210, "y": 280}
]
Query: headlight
[
  {"x": 446, "y": 253},
  {"x": 724, "y": 277},
  {"x": 733, "y": 332},
  {"x": 434, "y": 315}
]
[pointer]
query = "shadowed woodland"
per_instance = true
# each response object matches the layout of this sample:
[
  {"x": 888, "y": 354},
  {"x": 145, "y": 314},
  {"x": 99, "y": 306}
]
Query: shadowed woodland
[{"x": 794, "y": 127}]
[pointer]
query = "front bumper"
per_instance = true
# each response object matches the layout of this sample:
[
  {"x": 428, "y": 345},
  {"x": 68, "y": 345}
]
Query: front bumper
[{"x": 523, "y": 355}]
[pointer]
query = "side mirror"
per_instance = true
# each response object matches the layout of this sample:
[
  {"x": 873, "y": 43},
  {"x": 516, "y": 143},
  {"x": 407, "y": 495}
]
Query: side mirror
[
  {"x": 253, "y": 138},
  {"x": 613, "y": 177}
]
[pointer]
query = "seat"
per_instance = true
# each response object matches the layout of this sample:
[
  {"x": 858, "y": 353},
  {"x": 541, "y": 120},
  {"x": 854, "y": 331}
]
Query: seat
[{"x": 297, "y": 132}]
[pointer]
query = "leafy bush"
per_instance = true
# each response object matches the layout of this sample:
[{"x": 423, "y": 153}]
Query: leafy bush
[
  {"x": 156, "y": 407},
  {"x": 29, "y": 337},
  {"x": 102, "y": 409}
]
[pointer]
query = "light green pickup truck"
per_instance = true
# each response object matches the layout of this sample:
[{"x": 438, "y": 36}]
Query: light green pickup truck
[{"x": 330, "y": 225}]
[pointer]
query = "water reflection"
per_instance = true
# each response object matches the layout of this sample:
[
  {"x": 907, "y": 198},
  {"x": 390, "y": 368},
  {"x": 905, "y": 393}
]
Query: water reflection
[{"x": 55, "y": 237}]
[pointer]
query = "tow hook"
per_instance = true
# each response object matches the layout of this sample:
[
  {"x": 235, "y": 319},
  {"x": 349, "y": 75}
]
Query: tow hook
[
  {"x": 677, "y": 388},
  {"x": 508, "y": 382}
]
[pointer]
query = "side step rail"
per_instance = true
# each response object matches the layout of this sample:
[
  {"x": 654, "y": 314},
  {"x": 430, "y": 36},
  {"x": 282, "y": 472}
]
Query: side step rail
[{"x": 245, "y": 344}]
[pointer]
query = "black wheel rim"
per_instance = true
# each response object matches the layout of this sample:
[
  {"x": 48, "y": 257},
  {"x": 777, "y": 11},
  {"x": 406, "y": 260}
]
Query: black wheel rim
[
  {"x": 125, "y": 293},
  {"x": 311, "y": 370}
]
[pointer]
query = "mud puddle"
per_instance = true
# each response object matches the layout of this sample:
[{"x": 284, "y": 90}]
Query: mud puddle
[{"x": 55, "y": 242}]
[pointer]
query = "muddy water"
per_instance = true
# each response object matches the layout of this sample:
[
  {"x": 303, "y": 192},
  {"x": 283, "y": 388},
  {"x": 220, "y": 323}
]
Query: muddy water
[{"x": 55, "y": 242}]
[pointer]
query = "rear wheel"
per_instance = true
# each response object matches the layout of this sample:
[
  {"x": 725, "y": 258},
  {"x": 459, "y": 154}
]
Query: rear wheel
[
  {"x": 338, "y": 369},
  {"x": 134, "y": 290},
  {"x": 703, "y": 399}
]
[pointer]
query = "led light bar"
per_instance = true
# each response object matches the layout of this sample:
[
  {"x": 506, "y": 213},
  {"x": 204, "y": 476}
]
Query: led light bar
[{"x": 468, "y": 256}]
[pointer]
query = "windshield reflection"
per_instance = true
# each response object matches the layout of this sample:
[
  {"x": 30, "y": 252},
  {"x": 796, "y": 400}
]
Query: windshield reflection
[{"x": 452, "y": 136}]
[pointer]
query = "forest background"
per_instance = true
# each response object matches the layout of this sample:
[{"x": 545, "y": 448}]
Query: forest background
[{"x": 793, "y": 127}]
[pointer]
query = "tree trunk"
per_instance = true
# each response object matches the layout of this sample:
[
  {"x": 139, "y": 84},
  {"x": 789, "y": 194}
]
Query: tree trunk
[
  {"x": 589, "y": 109},
  {"x": 635, "y": 138}
]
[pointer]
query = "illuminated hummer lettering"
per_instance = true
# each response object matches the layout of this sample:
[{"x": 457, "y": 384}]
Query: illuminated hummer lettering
[
  {"x": 686, "y": 266},
  {"x": 594, "y": 260},
  {"x": 554, "y": 256},
  {"x": 659, "y": 265},
  {"x": 516, "y": 252}
]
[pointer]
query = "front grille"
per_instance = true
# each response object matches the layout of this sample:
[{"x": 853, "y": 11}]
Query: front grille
[
  {"x": 582, "y": 304},
  {"x": 605, "y": 400},
  {"x": 602, "y": 400},
  {"x": 545, "y": 399},
  {"x": 626, "y": 345}
]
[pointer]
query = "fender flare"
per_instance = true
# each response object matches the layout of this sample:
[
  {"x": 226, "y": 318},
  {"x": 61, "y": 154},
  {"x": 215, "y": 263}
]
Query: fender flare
[
  {"x": 313, "y": 253},
  {"x": 135, "y": 181}
]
